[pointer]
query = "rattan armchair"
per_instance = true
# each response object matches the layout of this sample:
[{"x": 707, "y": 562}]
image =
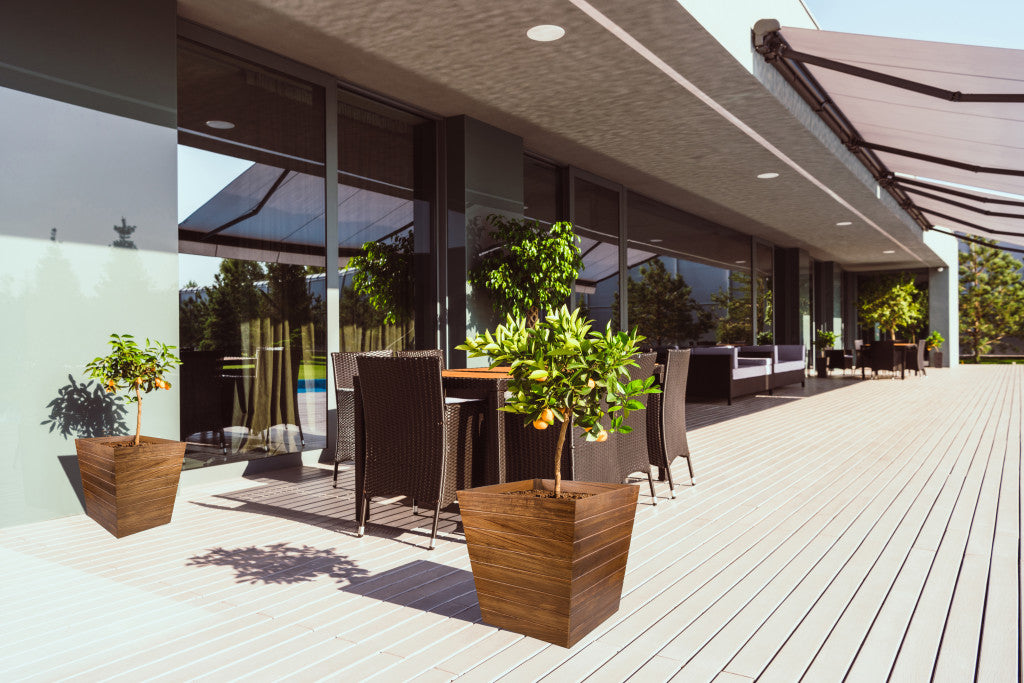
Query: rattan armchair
[
  {"x": 417, "y": 443},
  {"x": 666, "y": 417},
  {"x": 345, "y": 369}
]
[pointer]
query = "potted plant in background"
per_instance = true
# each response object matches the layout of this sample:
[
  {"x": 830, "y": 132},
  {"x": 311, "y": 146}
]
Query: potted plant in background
[
  {"x": 549, "y": 556},
  {"x": 891, "y": 302},
  {"x": 823, "y": 340},
  {"x": 531, "y": 268},
  {"x": 130, "y": 483},
  {"x": 933, "y": 342}
]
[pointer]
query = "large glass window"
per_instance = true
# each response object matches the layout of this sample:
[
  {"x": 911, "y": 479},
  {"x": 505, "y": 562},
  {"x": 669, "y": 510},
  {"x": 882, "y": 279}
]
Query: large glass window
[
  {"x": 542, "y": 195},
  {"x": 596, "y": 220},
  {"x": 385, "y": 191},
  {"x": 690, "y": 280},
  {"x": 252, "y": 259}
]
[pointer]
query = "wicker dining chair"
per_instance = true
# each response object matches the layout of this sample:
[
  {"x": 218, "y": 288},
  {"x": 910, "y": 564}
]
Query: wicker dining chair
[
  {"x": 666, "y": 417},
  {"x": 432, "y": 353},
  {"x": 915, "y": 358},
  {"x": 345, "y": 368},
  {"x": 417, "y": 443}
]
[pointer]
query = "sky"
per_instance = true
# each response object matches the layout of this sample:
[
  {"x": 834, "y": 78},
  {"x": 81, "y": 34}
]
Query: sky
[{"x": 995, "y": 23}]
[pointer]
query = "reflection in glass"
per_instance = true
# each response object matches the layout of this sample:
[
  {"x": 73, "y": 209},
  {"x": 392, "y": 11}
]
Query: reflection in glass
[
  {"x": 763, "y": 269},
  {"x": 596, "y": 221},
  {"x": 383, "y": 212},
  {"x": 698, "y": 289},
  {"x": 541, "y": 191},
  {"x": 251, "y": 237}
]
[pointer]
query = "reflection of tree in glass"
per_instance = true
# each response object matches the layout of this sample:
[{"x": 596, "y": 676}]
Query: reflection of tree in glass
[
  {"x": 233, "y": 299},
  {"x": 85, "y": 410},
  {"x": 382, "y": 291},
  {"x": 662, "y": 307},
  {"x": 384, "y": 275},
  {"x": 733, "y": 325},
  {"x": 192, "y": 312},
  {"x": 765, "y": 333}
]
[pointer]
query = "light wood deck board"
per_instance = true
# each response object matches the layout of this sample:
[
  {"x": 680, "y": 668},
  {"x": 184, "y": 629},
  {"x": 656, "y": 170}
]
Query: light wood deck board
[{"x": 845, "y": 529}]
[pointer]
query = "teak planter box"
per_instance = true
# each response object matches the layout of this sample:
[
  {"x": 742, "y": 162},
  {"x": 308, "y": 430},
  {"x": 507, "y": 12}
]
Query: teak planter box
[
  {"x": 548, "y": 568},
  {"x": 129, "y": 488}
]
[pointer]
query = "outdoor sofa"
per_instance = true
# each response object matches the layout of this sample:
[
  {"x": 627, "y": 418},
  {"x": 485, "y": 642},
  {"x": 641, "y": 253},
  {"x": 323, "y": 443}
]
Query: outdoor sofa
[
  {"x": 720, "y": 372},
  {"x": 787, "y": 362}
]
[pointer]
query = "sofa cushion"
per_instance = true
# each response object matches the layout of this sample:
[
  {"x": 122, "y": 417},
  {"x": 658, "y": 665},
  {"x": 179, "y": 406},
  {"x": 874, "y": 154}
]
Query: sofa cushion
[
  {"x": 752, "y": 367},
  {"x": 790, "y": 352},
  {"x": 787, "y": 366}
]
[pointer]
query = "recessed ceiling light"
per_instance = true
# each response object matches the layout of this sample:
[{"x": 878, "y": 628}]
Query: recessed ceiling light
[
  {"x": 545, "y": 33},
  {"x": 889, "y": 251},
  {"x": 220, "y": 125},
  {"x": 767, "y": 176},
  {"x": 655, "y": 240},
  {"x": 741, "y": 262},
  {"x": 845, "y": 223}
]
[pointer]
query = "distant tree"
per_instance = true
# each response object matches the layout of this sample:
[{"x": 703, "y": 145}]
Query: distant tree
[
  {"x": 534, "y": 266},
  {"x": 288, "y": 299},
  {"x": 891, "y": 302},
  {"x": 662, "y": 307},
  {"x": 991, "y": 297}
]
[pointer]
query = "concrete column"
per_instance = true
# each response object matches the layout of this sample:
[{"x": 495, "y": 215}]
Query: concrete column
[{"x": 944, "y": 295}]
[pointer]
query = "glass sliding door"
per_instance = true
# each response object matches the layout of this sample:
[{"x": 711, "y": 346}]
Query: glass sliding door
[
  {"x": 251, "y": 266},
  {"x": 386, "y": 163}
]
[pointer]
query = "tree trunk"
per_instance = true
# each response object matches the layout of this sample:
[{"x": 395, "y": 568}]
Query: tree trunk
[
  {"x": 533, "y": 316},
  {"x": 558, "y": 455},
  {"x": 138, "y": 416}
]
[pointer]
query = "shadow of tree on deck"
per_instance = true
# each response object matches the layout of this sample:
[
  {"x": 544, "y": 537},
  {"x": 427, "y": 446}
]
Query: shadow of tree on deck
[
  {"x": 280, "y": 563},
  {"x": 420, "y": 584}
]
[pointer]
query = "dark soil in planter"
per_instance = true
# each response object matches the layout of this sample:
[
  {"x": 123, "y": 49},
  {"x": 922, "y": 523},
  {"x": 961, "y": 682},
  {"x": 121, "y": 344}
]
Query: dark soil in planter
[{"x": 540, "y": 493}]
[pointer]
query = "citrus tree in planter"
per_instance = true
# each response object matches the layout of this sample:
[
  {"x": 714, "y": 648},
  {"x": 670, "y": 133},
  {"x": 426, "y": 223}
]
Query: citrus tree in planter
[
  {"x": 129, "y": 482},
  {"x": 549, "y": 556}
]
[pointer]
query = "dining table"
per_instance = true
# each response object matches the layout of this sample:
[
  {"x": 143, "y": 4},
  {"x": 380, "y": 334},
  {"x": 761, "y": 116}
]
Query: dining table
[
  {"x": 489, "y": 384},
  {"x": 903, "y": 348}
]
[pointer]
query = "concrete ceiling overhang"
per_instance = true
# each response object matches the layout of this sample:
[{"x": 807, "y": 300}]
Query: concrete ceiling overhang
[{"x": 594, "y": 101}]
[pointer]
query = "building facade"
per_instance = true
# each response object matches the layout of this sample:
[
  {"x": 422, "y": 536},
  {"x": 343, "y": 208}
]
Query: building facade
[{"x": 187, "y": 172}]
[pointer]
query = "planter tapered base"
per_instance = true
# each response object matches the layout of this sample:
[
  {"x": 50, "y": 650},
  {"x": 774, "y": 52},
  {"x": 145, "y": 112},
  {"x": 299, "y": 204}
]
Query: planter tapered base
[
  {"x": 551, "y": 569},
  {"x": 129, "y": 489}
]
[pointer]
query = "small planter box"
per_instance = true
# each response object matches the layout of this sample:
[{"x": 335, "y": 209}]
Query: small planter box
[
  {"x": 548, "y": 568},
  {"x": 935, "y": 359},
  {"x": 129, "y": 488}
]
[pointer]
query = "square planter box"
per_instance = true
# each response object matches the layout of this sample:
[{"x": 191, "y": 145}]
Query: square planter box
[
  {"x": 129, "y": 488},
  {"x": 548, "y": 568}
]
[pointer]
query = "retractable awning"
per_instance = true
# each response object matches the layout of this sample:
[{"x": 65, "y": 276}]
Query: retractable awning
[{"x": 941, "y": 126}]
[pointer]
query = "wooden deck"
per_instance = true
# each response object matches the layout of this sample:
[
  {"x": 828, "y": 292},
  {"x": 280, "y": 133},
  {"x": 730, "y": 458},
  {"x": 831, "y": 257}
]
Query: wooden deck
[{"x": 858, "y": 530}]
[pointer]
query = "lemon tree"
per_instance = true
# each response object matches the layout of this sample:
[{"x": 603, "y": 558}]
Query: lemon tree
[
  {"x": 565, "y": 372},
  {"x": 134, "y": 370}
]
